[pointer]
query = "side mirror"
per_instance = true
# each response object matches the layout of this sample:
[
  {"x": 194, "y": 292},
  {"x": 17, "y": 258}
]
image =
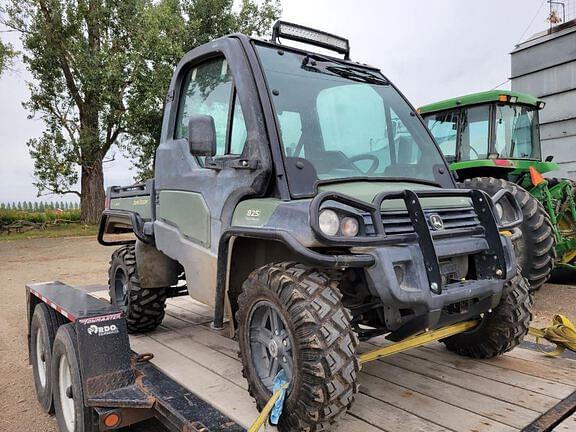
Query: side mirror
[{"x": 202, "y": 135}]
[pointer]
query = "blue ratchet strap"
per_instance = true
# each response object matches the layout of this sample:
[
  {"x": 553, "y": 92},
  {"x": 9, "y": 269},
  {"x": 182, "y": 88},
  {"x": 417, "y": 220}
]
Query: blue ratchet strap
[{"x": 280, "y": 383}]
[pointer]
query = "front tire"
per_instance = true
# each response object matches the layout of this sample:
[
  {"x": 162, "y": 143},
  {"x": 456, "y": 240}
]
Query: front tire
[
  {"x": 501, "y": 329},
  {"x": 313, "y": 342},
  {"x": 144, "y": 308},
  {"x": 535, "y": 250}
]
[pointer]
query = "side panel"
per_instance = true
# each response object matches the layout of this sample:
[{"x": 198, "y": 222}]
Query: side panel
[
  {"x": 188, "y": 212},
  {"x": 137, "y": 204},
  {"x": 199, "y": 263}
]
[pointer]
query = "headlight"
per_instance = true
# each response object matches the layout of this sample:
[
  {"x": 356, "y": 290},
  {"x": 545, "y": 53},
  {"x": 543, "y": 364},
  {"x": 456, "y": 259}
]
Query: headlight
[
  {"x": 349, "y": 227},
  {"x": 329, "y": 222}
]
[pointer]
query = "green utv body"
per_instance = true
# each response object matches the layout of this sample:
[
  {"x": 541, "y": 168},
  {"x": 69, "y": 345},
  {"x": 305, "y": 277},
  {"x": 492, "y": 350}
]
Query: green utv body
[
  {"x": 302, "y": 197},
  {"x": 495, "y": 135}
]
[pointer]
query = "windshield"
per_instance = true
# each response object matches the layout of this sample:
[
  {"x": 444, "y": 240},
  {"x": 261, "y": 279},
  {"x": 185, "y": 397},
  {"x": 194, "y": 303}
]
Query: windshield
[
  {"x": 517, "y": 134},
  {"x": 341, "y": 122}
]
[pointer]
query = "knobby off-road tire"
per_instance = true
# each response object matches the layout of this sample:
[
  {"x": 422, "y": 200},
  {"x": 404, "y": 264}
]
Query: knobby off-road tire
[
  {"x": 144, "y": 308},
  {"x": 323, "y": 344},
  {"x": 71, "y": 413},
  {"x": 500, "y": 330},
  {"x": 43, "y": 328},
  {"x": 536, "y": 249}
]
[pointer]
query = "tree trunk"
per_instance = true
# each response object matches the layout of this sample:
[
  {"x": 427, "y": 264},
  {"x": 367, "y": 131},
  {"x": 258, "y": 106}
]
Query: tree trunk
[{"x": 93, "y": 195}]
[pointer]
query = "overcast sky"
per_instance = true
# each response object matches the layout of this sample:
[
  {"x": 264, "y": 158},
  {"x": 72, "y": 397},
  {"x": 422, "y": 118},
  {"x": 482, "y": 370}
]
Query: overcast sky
[{"x": 430, "y": 49}]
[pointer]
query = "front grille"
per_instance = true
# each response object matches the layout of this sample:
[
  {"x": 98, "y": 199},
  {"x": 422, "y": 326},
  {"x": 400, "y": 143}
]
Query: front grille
[{"x": 398, "y": 222}]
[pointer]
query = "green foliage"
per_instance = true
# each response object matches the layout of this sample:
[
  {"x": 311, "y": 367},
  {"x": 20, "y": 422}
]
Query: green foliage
[
  {"x": 7, "y": 54},
  {"x": 10, "y": 216}
]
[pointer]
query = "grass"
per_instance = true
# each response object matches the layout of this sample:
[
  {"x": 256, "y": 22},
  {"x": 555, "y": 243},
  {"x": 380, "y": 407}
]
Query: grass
[{"x": 62, "y": 230}]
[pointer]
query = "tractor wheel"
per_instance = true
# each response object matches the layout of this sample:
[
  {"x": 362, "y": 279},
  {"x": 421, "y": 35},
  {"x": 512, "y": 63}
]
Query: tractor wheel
[
  {"x": 501, "y": 329},
  {"x": 291, "y": 318},
  {"x": 536, "y": 248},
  {"x": 144, "y": 308}
]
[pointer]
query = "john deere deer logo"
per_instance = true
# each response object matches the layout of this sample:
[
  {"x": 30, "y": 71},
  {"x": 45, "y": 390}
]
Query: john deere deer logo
[{"x": 436, "y": 222}]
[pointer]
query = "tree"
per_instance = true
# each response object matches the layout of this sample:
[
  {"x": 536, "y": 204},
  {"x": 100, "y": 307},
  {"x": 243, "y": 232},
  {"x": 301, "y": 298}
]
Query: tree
[
  {"x": 36, "y": 206},
  {"x": 101, "y": 70},
  {"x": 7, "y": 54}
]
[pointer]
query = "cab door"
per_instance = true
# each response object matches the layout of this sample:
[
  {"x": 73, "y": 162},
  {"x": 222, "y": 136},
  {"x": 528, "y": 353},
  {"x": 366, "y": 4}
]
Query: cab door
[{"x": 196, "y": 196}]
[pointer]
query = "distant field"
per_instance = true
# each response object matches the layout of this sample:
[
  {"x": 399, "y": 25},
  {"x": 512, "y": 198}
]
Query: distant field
[{"x": 62, "y": 230}]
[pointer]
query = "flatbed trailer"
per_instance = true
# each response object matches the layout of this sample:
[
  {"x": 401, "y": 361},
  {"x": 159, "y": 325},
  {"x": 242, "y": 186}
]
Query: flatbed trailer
[{"x": 194, "y": 380}]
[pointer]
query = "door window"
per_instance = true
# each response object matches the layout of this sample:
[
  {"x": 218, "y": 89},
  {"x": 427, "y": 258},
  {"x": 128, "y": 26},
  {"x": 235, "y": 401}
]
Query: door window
[
  {"x": 208, "y": 90},
  {"x": 475, "y": 127},
  {"x": 444, "y": 128}
]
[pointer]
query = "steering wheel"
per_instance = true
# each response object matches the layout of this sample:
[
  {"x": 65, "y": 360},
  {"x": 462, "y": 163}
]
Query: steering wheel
[{"x": 364, "y": 156}]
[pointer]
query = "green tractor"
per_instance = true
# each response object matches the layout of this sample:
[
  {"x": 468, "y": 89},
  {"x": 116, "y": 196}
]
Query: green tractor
[{"x": 492, "y": 142}]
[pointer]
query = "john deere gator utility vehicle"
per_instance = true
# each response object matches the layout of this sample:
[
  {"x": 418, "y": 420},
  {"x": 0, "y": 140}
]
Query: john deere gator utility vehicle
[
  {"x": 302, "y": 196},
  {"x": 492, "y": 141}
]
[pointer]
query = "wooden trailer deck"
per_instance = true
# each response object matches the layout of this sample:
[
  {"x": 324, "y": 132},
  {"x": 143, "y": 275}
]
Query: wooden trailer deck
[{"x": 426, "y": 389}]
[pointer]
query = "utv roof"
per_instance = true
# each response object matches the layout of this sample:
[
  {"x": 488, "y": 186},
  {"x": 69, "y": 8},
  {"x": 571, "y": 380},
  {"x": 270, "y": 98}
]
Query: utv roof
[{"x": 480, "y": 98}]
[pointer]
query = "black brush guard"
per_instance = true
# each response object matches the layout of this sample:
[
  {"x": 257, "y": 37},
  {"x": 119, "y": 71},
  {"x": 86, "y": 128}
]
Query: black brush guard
[{"x": 494, "y": 268}]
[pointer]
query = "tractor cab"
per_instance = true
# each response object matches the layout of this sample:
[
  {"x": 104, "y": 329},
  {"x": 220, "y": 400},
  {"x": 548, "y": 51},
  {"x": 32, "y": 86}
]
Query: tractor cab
[{"x": 496, "y": 131}]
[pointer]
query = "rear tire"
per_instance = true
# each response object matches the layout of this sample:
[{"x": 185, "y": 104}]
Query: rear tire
[
  {"x": 500, "y": 330},
  {"x": 45, "y": 323},
  {"x": 144, "y": 308},
  {"x": 71, "y": 413},
  {"x": 536, "y": 249},
  {"x": 320, "y": 343}
]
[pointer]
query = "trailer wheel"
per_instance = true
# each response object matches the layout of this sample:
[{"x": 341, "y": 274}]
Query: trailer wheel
[
  {"x": 45, "y": 323},
  {"x": 501, "y": 329},
  {"x": 290, "y": 317},
  {"x": 536, "y": 249},
  {"x": 71, "y": 413},
  {"x": 144, "y": 308}
]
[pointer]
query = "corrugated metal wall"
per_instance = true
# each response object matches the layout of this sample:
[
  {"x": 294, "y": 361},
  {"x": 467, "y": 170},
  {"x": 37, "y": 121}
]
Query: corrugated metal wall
[{"x": 545, "y": 66}]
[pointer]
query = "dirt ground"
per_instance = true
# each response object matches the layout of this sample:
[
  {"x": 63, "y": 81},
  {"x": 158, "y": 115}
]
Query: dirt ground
[{"x": 83, "y": 261}]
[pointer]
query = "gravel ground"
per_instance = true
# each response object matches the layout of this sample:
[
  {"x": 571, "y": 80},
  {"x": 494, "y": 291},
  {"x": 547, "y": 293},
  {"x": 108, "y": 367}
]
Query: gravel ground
[{"x": 83, "y": 261}]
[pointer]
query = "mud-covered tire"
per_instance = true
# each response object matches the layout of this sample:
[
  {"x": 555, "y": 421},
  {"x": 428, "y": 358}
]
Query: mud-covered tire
[
  {"x": 323, "y": 344},
  {"x": 536, "y": 248},
  {"x": 144, "y": 308},
  {"x": 501, "y": 329}
]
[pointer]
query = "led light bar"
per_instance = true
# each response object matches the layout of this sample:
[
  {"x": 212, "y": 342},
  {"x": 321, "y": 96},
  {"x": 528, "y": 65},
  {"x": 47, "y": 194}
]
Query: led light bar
[{"x": 298, "y": 33}]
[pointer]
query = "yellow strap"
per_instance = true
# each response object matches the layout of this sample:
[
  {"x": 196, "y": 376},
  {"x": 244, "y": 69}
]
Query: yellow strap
[
  {"x": 266, "y": 410},
  {"x": 418, "y": 340},
  {"x": 562, "y": 333}
]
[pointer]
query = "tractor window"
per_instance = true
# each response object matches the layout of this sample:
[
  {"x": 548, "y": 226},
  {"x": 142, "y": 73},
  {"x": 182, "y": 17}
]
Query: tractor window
[
  {"x": 444, "y": 128},
  {"x": 475, "y": 127},
  {"x": 517, "y": 134},
  {"x": 207, "y": 89}
]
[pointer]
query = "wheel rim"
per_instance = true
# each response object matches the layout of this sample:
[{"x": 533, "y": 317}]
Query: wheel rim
[
  {"x": 121, "y": 289},
  {"x": 40, "y": 358},
  {"x": 270, "y": 344},
  {"x": 66, "y": 393}
]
